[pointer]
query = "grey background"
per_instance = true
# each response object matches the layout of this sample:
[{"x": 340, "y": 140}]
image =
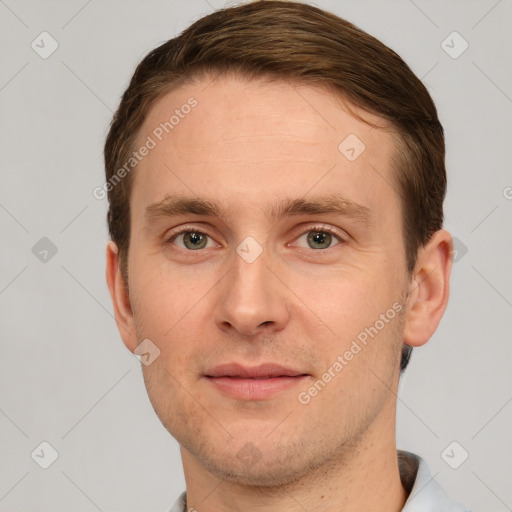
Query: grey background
[{"x": 65, "y": 376}]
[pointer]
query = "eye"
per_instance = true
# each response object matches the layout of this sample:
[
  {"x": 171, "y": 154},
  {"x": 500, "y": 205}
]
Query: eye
[
  {"x": 192, "y": 240},
  {"x": 320, "y": 238}
]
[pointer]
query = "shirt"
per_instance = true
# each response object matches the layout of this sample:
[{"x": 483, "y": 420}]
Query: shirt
[{"x": 425, "y": 494}]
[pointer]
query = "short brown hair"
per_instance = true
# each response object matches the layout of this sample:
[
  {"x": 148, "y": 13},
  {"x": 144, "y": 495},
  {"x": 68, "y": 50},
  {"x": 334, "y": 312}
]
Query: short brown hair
[{"x": 293, "y": 41}]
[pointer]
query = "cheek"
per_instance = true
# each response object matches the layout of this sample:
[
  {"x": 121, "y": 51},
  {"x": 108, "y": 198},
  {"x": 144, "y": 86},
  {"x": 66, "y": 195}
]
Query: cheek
[
  {"x": 174, "y": 313},
  {"x": 162, "y": 297},
  {"x": 172, "y": 404},
  {"x": 361, "y": 319},
  {"x": 345, "y": 301}
]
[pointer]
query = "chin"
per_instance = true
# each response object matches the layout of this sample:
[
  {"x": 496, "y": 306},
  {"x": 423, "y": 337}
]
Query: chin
[
  {"x": 276, "y": 465},
  {"x": 270, "y": 474}
]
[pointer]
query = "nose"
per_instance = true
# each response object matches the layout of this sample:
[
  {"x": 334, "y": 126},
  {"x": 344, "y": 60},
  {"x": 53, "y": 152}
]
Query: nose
[{"x": 252, "y": 299}]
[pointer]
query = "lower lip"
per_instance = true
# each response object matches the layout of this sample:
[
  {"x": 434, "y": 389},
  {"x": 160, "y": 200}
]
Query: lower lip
[{"x": 255, "y": 389}]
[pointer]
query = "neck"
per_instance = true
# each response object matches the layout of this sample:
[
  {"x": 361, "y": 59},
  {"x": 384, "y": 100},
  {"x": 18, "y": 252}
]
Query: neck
[{"x": 367, "y": 479}]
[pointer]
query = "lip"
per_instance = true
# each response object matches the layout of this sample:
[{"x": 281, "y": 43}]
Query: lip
[
  {"x": 262, "y": 371},
  {"x": 254, "y": 382}
]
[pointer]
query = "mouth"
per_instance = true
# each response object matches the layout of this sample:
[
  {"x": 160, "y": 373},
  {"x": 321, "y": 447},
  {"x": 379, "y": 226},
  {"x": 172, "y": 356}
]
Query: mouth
[{"x": 254, "y": 383}]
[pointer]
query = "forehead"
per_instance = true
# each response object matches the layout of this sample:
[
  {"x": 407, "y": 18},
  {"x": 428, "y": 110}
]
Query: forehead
[{"x": 227, "y": 138}]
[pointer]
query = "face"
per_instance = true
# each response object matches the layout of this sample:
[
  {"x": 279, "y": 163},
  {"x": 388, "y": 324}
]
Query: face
[{"x": 267, "y": 265}]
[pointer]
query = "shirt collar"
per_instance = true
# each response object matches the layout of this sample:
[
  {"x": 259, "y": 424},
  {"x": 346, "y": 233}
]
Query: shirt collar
[{"x": 425, "y": 494}]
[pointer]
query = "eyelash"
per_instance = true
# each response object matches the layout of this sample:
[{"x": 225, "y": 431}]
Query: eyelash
[{"x": 316, "y": 227}]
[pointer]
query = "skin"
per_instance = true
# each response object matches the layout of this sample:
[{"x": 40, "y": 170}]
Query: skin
[{"x": 248, "y": 146}]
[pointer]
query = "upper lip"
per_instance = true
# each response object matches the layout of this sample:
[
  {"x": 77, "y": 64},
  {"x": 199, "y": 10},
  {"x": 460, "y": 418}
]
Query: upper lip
[{"x": 252, "y": 372}]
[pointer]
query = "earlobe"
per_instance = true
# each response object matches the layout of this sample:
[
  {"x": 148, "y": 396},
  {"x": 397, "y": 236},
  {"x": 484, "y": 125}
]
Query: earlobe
[
  {"x": 429, "y": 291},
  {"x": 120, "y": 297}
]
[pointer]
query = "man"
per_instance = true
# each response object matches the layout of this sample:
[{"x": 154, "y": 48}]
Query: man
[{"x": 276, "y": 179}]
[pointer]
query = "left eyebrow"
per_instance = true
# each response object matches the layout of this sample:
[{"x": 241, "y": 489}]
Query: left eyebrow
[
  {"x": 333, "y": 203},
  {"x": 172, "y": 206}
]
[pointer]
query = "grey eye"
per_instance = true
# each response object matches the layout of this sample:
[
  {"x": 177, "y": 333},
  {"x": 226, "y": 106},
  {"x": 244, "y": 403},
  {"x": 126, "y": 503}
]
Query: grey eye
[
  {"x": 319, "y": 239},
  {"x": 192, "y": 240}
]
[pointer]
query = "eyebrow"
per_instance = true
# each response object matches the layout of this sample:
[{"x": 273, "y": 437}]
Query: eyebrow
[{"x": 172, "y": 206}]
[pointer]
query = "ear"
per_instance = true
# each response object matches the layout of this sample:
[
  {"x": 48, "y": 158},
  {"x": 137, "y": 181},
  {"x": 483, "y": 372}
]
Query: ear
[
  {"x": 120, "y": 298},
  {"x": 429, "y": 290}
]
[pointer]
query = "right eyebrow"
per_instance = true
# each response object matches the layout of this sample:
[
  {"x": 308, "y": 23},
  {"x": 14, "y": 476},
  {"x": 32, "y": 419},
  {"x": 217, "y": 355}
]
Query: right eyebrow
[{"x": 171, "y": 206}]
